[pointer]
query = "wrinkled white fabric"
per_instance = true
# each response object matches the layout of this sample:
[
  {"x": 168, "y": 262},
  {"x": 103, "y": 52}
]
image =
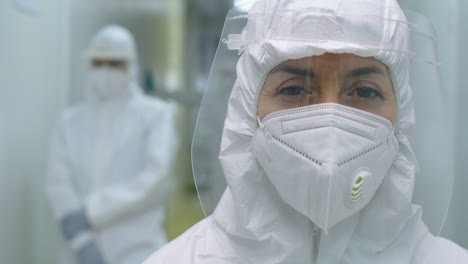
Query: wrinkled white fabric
[
  {"x": 112, "y": 42},
  {"x": 113, "y": 159},
  {"x": 252, "y": 223}
]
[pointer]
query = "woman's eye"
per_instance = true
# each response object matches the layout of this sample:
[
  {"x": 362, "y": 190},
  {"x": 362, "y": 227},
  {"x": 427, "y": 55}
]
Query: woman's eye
[
  {"x": 366, "y": 92},
  {"x": 293, "y": 91}
]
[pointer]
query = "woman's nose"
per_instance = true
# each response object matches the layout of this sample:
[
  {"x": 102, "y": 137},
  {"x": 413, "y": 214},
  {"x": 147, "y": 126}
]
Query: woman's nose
[
  {"x": 329, "y": 98},
  {"x": 329, "y": 91}
]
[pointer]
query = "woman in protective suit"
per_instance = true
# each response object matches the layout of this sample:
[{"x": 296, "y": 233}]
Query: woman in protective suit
[{"x": 315, "y": 146}]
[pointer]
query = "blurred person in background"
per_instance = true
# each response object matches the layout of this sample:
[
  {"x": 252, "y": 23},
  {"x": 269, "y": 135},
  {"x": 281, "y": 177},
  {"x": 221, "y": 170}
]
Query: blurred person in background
[{"x": 110, "y": 160}]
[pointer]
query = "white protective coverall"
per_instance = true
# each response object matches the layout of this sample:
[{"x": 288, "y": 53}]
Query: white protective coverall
[
  {"x": 252, "y": 224},
  {"x": 111, "y": 157}
]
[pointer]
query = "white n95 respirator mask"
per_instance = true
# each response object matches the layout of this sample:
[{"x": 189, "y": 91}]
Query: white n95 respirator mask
[
  {"x": 108, "y": 82},
  {"x": 325, "y": 160}
]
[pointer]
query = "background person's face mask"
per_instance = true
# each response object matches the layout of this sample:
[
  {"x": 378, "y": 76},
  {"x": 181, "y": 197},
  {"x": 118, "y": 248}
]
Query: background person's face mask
[{"x": 109, "y": 82}]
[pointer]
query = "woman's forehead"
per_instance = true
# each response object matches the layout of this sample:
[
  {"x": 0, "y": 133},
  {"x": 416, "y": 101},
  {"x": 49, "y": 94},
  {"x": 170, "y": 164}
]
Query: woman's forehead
[{"x": 333, "y": 60}]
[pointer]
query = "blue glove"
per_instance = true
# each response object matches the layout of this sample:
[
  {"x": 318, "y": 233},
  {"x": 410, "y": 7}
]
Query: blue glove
[
  {"x": 75, "y": 223},
  {"x": 90, "y": 254}
]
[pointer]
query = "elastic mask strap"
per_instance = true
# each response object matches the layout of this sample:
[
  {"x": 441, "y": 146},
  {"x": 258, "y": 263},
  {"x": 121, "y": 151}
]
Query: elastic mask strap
[{"x": 259, "y": 122}]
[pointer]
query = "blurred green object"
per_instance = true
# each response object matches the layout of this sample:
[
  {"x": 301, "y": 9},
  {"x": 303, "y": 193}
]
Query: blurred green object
[{"x": 183, "y": 211}]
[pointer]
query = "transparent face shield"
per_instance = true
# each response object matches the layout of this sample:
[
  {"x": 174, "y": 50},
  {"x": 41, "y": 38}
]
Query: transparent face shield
[{"x": 356, "y": 81}]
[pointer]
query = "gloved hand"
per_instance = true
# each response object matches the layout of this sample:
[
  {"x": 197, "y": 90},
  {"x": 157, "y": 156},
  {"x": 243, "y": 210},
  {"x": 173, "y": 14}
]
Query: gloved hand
[
  {"x": 75, "y": 223},
  {"x": 90, "y": 254}
]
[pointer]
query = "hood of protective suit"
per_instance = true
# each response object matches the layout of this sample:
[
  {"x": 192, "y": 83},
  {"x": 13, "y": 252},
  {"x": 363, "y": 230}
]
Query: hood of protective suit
[
  {"x": 259, "y": 226},
  {"x": 112, "y": 42}
]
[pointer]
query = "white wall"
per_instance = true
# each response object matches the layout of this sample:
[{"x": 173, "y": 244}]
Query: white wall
[
  {"x": 33, "y": 66},
  {"x": 448, "y": 19},
  {"x": 459, "y": 208}
]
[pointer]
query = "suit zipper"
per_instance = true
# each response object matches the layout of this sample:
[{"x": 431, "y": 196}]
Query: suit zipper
[{"x": 316, "y": 240}]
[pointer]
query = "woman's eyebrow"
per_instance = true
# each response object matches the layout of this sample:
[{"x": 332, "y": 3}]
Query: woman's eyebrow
[
  {"x": 365, "y": 71},
  {"x": 293, "y": 70}
]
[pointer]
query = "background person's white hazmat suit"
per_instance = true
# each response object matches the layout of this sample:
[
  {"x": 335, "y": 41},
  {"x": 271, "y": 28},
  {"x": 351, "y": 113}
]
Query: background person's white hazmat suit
[
  {"x": 258, "y": 219},
  {"x": 110, "y": 161}
]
